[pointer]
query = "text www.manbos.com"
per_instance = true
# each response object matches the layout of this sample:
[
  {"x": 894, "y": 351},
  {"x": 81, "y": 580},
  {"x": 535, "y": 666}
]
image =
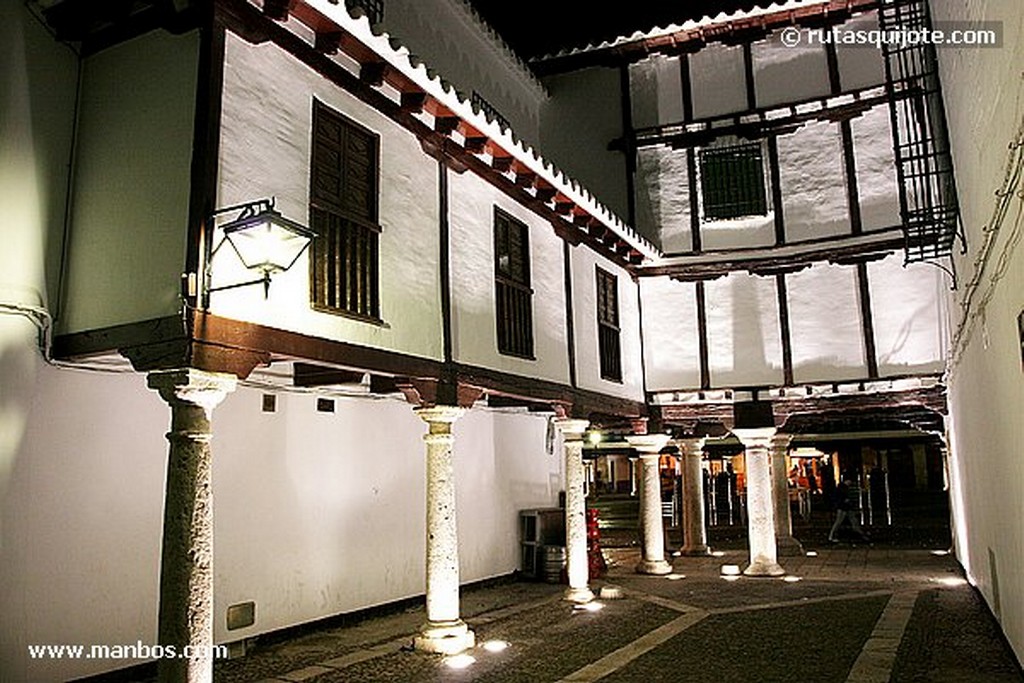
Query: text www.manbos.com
[{"x": 139, "y": 650}]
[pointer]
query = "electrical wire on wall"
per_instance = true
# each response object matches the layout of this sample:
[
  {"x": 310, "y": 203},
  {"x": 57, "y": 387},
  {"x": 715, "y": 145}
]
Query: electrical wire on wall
[{"x": 980, "y": 289}]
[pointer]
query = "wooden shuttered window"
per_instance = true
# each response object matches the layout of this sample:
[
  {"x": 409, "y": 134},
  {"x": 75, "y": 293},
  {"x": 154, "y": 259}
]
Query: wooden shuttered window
[
  {"x": 513, "y": 295},
  {"x": 608, "y": 343},
  {"x": 344, "y": 215},
  {"x": 732, "y": 182}
]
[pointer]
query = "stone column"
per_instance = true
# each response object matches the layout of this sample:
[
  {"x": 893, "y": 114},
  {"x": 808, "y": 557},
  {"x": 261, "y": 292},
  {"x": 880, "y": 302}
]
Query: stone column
[
  {"x": 445, "y": 632},
  {"x": 760, "y": 512},
  {"x": 577, "y": 566},
  {"x": 695, "y": 541},
  {"x": 186, "y": 556},
  {"x": 785, "y": 543},
  {"x": 649, "y": 447}
]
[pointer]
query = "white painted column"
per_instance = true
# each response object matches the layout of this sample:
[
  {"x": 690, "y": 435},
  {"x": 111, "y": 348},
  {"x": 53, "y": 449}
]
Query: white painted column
[
  {"x": 577, "y": 566},
  {"x": 785, "y": 543},
  {"x": 186, "y": 556},
  {"x": 695, "y": 541},
  {"x": 760, "y": 509},
  {"x": 445, "y": 632},
  {"x": 634, "y": 466},
  {"x": 649, "y": 446}
]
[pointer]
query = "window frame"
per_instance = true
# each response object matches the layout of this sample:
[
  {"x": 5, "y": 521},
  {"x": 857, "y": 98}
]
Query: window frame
[
  {"x": 513, "y": 341},
  {"x": 716, "y": 209},
  {"x": 609, "y": 327},
  {"x": 339, "y": 228}
]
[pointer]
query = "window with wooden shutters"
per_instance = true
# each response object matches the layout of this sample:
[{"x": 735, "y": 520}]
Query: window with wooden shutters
[
  {"x": 513, "y": 295},
  {"x": 343, "y": 212},
  {"x": 608, "y": 347},
  {"x": 732, "y": 182}
]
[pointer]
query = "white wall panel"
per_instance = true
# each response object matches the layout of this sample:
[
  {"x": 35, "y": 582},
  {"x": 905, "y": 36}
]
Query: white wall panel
[
  {"x": 265, "y": 151},
  {"x": 446, "y": 35},
  {"x": 825, "y": 325},
  {"x": 671, "y": 341},
  {"x": 909, "y": 332},
  {"x": 877, "y": 186},
  {"x": 983, "y": 95},
  {"x": 132, "y": 173},
  {"x": 475, "y": 337},
  {"x": 717, "y": 80},
  {"x": 813, "y": 182},
  {"x": 656, "y": 91},
  {"x": 744, "y": 342},
  {"x": 584, "y": 114},
  {"x": 788, "y": 74},
  {"x": 584, "y": 306},
  {"x": 860, "y": 66},
  {"x": 663, "y": 197},
  {"x": 315, "y": 513}
]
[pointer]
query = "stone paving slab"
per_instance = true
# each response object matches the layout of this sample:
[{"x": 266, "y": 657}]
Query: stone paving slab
[{"x": 856, "y": 614}]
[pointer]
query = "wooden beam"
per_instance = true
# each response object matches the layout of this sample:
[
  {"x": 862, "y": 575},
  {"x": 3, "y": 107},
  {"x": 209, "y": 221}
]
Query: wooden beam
[
  {"x": 313, "y": 375},
  {"x": 412, "y": 102},
  {"x": 372, "y": 73},
  {"x": 328, "y": 42}
]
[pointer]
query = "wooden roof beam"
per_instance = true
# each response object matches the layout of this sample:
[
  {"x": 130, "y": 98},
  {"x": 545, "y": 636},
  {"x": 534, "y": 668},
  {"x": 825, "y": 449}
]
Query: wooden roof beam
[
  {"x": 328, "y": 42},
  {"x": 372, "y": 73}
]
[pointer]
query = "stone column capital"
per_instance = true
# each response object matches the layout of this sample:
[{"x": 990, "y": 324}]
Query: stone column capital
[
  {"x": 781, "y": 441},
  {"x": 648, "y": 444},
  {"x": 571, "y": 429},
  {"x": 691, "y": 446},
  {"x": 192, "y": 387},
  {"x": 761, "y": 436},
  {"x": 439, "y": 419}
]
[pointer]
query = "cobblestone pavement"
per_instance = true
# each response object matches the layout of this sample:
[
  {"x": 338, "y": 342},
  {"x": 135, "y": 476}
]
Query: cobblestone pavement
[{"x": 854, "y": 614}]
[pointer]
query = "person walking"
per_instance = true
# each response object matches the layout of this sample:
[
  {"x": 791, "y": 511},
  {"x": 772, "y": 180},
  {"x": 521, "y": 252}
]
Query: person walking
[{"x": 847, "y": 505}]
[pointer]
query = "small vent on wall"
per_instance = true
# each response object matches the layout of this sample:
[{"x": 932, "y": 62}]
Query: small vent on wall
[
  {"x": 241, "y": 615},
  {"x": 269, "y": 403},
  {"x": 325, "y": 405}
]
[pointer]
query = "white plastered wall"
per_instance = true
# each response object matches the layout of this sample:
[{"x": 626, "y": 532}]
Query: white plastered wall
[
  {"x": 129, "y": 218},
  {"x": 825, "y": 324},
  {"x": 744, "y": 340},
  {"x": 315, "y": 513},
  {"x": 984, "y": 97},
  {"x": 448, "y": 37},
  {"x": 265, "y": 151},
  {"x": 584, "y": 306},
  {"x": 671, "y": 336}
]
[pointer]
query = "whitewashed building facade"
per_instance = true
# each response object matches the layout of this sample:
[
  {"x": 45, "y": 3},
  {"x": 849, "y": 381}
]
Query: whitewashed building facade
[{"x": 465, "y": 257}]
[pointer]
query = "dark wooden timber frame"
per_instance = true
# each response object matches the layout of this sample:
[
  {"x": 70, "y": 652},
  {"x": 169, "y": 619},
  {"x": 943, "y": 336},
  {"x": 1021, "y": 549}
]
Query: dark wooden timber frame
[
  {"x": 207, "y": 342},
  {"x": 922, "y": 409},
  {"x": 204, "y": 341}
]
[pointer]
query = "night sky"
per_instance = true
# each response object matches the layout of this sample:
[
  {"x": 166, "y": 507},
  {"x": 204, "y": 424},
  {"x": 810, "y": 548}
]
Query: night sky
[{"x": 538, "y": 27}]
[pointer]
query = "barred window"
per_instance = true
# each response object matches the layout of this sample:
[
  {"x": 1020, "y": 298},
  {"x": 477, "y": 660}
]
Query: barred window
[
  {"x": 608, "y": 343},
  {"x": 732, "y": 182},
  {"x": 514, "y": 305},
  {"x": 343, "y": 212}
]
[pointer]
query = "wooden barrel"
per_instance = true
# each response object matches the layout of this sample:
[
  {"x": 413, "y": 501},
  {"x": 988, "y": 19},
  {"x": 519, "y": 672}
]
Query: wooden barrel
[{"x": 552, "y": 562}]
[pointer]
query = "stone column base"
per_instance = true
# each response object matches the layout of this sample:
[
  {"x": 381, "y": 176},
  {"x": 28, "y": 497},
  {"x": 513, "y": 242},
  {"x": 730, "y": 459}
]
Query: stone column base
[
  {"x": 445, "y": 638},
  {"x": 578, "y": 595},
  {"x": 656, "y": 567},
  {"x": 787, "y": 545},
  {"x": 763, "y": 567}
]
